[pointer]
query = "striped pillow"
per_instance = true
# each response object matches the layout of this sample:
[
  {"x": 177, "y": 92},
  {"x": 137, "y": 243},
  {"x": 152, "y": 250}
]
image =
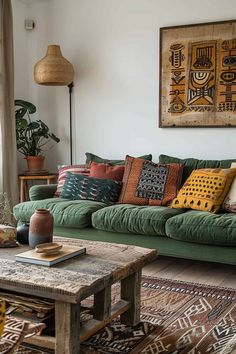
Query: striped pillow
[{"x": 77, "y": 169}]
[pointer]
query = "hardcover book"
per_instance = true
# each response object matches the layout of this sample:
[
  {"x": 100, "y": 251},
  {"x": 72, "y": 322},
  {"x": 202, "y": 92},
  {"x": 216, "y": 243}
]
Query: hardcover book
[{"x": 65, "y": 253}]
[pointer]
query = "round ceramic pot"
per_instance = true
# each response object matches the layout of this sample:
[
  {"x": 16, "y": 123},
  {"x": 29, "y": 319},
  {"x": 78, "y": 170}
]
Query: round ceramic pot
[
  {"x": 35, "y": 163},
  {"x": 22, "y": 234},
  {"x": 41, "y": 227}
]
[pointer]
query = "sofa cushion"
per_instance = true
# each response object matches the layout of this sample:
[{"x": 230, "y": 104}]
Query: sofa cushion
[
  {"x": 205, "y": 189},
  {"x": 203, "y": 227},
  {"x": 229, "y": 203},
  {"x": 62, "y": 170},
  {"x": 148, "y": 183},
  {"x": 66, "y": 213},
  {"x": 105, "y": 170},
  {"x": 78, "y": 187},
  {"x": 134, "y": 219},
  {"x": 191, "y": 164},
  {"x": 91, "y": 157}
]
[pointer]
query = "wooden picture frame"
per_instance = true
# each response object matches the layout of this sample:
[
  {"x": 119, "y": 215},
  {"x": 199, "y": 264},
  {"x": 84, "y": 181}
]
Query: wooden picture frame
[{"x": 198, "y": 75}]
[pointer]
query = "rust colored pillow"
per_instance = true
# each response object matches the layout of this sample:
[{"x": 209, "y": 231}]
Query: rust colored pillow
[
  {"x": 104, "y": 170},
  {"x": 148, "y": 183}
]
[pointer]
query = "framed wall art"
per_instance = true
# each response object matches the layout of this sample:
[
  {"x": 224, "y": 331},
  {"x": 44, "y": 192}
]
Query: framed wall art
[{"x": 198, "y": 75}]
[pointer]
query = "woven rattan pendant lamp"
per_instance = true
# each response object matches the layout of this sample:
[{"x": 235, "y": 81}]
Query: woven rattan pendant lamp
[{"x": 55, "y": 70}]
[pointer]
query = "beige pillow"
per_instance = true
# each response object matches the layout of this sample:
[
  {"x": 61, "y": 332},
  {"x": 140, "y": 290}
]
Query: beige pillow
[{"x": 229, "y": 203}]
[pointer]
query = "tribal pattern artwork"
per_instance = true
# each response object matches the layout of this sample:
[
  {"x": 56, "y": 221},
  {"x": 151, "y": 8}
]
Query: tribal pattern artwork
[
  {"x": 198, "y": 75},
  {"x": 227, "y": 80},
  {"x": 202, "y": 77}
]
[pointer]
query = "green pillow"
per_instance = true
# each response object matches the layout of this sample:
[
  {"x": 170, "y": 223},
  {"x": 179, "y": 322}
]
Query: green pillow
[
  {"x": 191, "y": 164},
  {"x": 80, "y": 187},
  {"x": 94, "y": 158}
]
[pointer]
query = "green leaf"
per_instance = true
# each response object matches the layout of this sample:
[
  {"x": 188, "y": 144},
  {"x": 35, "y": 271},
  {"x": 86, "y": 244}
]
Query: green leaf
[
  {"x": 19, "y": 113},
  {"x": 21, "y": 123},
  {"x": 31, "y": 135},
  {"x": 33, "y": 126},
  {"x": 27, "y": 106},
  {"x": 55, "y": 138},
  {"x": 20, "y": 144}
]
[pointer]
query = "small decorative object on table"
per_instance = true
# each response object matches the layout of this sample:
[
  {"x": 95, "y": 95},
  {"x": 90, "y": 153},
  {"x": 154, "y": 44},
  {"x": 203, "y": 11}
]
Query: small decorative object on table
[
  {"x": 22, "y": 234},
  {"x": 47, "y": 258},
  {"x": 7, "y": 236},
  {"x": 48, "y": 248},
  {"x": 41, "y": 227}
]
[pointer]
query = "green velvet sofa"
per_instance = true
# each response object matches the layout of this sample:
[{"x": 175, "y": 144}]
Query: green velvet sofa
[{"x": 180, "y": 233}]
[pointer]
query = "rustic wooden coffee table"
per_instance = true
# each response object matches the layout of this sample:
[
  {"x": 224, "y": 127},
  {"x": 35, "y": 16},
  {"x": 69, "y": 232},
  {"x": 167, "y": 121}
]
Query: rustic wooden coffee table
[{"x": 70, "y": 282}]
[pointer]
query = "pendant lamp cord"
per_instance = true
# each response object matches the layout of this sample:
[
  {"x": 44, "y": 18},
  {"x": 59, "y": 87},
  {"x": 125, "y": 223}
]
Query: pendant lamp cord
[{"x": 70, "y": 86}]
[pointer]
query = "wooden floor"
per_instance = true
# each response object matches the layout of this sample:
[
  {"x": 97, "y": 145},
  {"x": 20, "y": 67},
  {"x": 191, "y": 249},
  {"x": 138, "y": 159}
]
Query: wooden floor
[{"x": 193, "y": 271}]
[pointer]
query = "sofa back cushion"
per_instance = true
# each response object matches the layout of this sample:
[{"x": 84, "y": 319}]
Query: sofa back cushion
[
  {"x": 94, "y": 158},
  {"x": 79, "y": 187},
  {"x": 191, "y": 164}
]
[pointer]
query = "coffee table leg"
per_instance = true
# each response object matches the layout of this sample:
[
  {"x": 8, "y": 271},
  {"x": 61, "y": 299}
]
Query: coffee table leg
[
  {"x": 131, "y": 291},
  {"x": 102, "y": 304},
  {"x": 67, "y": 323}
]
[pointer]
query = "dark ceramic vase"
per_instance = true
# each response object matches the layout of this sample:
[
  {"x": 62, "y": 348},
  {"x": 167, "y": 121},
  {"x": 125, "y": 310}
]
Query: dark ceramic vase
[
  {"x": 41, "y": 227},
  {"x": 22, "y": 234}
]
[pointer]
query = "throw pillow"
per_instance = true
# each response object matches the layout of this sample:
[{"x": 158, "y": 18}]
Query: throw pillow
[
  {"x": 81, "y": 169},
  {"x": 105, "y": 170},
  {"x": 146, "y": 182},
  {"x": 2, "y": 315},
  {"x": 78, "y": 187},
  {"x": 94, "y": 158},
  {"x": 229, "y": 203},
  {"x": 8, "y": 236},
  {"x": 205, "y": 189}
]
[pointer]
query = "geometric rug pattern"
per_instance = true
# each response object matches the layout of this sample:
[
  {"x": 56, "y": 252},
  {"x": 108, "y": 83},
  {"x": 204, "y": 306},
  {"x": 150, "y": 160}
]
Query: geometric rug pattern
[{"x": 177, "y": 317}]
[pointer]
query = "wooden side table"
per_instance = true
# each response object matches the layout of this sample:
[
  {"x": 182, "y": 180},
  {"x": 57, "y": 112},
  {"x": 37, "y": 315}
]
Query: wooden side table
[{"x": 50, "y": 178}]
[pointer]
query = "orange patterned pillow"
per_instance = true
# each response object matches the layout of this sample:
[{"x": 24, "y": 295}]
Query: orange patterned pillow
[{"x": 148, "y": 183}]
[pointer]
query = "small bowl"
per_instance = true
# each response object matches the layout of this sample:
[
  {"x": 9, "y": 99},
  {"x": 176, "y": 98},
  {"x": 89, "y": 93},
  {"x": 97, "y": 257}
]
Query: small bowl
[{"x": 48, "y": 248}]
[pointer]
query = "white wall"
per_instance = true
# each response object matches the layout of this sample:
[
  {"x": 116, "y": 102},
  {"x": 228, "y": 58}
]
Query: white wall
[{"x": 113, "y": 45}]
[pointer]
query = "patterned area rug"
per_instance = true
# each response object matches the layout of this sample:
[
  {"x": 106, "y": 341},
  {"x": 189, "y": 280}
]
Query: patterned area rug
[{"x": 177, "y": 318}]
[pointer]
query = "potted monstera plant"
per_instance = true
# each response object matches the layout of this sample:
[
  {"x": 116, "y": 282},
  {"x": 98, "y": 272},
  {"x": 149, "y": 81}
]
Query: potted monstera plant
[{"x": 32, "y": 137}]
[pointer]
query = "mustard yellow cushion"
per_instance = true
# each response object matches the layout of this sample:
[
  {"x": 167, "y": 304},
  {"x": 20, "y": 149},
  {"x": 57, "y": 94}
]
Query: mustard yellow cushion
[
  {"x": 2, "y": 316},
  {"x": 205, "y": 189}
]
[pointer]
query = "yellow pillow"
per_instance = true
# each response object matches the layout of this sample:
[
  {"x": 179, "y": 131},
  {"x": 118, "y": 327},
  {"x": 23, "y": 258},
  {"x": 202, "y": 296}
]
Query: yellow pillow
[
  {"x": 205, "y": 189},
  {"x": 2, "y": 316}
]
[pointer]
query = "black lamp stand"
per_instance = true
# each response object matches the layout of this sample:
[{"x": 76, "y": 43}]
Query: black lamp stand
[{"x": 71, "y": 85}]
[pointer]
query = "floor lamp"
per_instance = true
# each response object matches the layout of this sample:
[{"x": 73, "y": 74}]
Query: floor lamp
[{"x": 55, "y": 70}]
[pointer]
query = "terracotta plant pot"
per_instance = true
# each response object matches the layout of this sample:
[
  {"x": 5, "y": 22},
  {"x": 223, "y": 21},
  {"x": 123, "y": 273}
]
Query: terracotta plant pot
[{"x": 35, "y": 163}]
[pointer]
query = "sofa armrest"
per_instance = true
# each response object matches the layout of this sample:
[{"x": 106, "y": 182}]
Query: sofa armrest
[{"x": 44, "y": 191}]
